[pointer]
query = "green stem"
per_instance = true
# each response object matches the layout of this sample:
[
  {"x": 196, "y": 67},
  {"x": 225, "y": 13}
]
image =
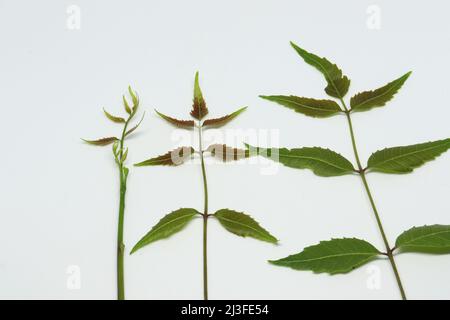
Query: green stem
[
  {"x": 383, "y": 234},
  {"x": 123, "y": 171},
  {"x": 362, "y": 174},
  {"x": 205, "y": 216},
  {"x": 120, "y": 244}
]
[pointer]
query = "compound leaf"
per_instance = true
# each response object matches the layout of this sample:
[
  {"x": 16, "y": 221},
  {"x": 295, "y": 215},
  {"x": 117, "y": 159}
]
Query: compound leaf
[
  {"x": 218, "y": 122},
  {"x": 243, "y": 225},
  {"x": 171, "y": 158},
  {"x": 377, "y": 98},
  {"x": 426, "y": 239},
  {"x": 338, "y": 84},
  {"x": 309, "y": 107},
  {"x": 333, "y": 256},
  {"x": 323, "y": 162},
  {"x": 167, "y": 226},
  {"x": 406, "y": 158}
]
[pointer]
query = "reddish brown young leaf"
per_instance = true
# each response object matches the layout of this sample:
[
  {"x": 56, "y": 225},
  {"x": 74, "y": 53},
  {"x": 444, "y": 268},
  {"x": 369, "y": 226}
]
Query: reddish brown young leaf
[
  {"x": 171, "y": 158},
  {"x": 218, "y": 122},
  {"x": 227, "y": 153},
  {"x": 102, "y": 141},
  {"x": 136, "y": 126},
  {"x": 187, "y": 124},
  {"x": 199, "y": 109}
]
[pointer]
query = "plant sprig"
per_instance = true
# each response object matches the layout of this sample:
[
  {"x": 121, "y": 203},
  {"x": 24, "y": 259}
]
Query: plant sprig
[
  {"x": 343, "y": 255},
  {"x": 120, "y": 153},
  {"x": 233, "y": 221}
]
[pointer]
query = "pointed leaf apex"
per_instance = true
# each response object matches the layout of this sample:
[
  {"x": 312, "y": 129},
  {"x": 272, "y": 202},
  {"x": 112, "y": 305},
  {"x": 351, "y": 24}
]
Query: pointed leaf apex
[
  {"x": 197, "y": 90},
  {"x": 199, "y": 109}
]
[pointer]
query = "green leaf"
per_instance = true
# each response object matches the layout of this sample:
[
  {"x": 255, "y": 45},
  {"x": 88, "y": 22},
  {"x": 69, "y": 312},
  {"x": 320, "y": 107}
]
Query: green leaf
[
  {"x": 426, "y": 239},
  {"x": 323, "y": 162},
  {"x": 115, "y": 146},
  {"x": 218, "y": 122},
  {"x": 102, "y": 141},
  {"x": 309, "y": 107},
  {"x": 113, "y": 118},
  {"x": 171, "y": 158},
  {"x": 226, "y": 153},
  {"x": 124, "y": 156},
  {"x": 134, "y": 98},
  {"x": 377, "y": 98},
  {"x": 167, "y": 226},
  {"x": 337, "y": 83},
  {"x": 126, "y": 105},
  {"x": 243, "y": 225},
  {"x": 405, "y": 159},
  {"x": 130, "y": 131},
  {"x": 187, "y": 124},
  {"x": 333, "y": 256},
  {"x": 199, "y": 109}
]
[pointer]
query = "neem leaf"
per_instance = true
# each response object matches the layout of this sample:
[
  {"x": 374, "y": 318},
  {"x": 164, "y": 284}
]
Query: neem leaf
[
  {"x": 226, "y": 153},
  {"x": 323, "y": 162},
  {"x": 310, "y": 107},
  {"x": 130, "y": 131},
  {"x": 126, "y": 105},
  {"x": 426, "y": 239},
  {"x": 199, "y": 109},
  {"x": 333, "y": 256},
  {"x": 243, "y": 225},
  {"x": 113, "y": 118},
  {"x": 134, "y": 98},
  {"x": 171, "y": 158},
  {"x": 167, "y": 226},
  {"x": 405, "y": 159},
  {"x": 337, "y": 83},
  {"x": 377, "y": 98},
  {"x": 102, "y": 141},
  {"x": 188, "y": 124},
  {"x": 218, "y": 122}
]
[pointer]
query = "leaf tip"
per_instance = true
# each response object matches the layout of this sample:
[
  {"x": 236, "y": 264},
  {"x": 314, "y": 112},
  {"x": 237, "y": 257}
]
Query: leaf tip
[{"x": 274, "y": 262}]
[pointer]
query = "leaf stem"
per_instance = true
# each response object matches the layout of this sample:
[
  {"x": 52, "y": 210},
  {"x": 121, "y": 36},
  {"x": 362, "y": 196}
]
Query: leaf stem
[
  {"x": 123, "y": 171},
  {"x": 205, "y": 215},
  {"x": 362, "y": 174},
  {"x": 120, "y": 244}
]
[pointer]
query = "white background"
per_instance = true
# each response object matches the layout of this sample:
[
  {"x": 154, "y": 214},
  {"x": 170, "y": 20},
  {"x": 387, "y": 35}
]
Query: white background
[{"x": 59, "y": 197}]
